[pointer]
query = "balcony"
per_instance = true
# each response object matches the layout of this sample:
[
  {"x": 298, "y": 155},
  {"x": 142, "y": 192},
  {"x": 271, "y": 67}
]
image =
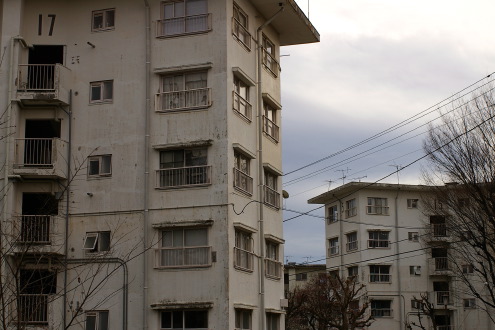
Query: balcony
[
  {"x": 241, "y": 34},
  {"x": 43, "y": 84},
  {"x": 177, "y": 26},
  {"x": 439, "y": 266},
  {"x": 271, "y": 129},
  {"x": 242, "y": 106},
  {"x": 183, "y": 257},
  {"x": 183, "y": 177},
  {"x": 272, "y": 197},
  {"x": 190, "y": 99},
  {"x": 37, "y": 233},
  {"x": 273, "y": 269},
  {"x": 41, "y": 158},
  {"x": 443, "y": 298},
  {"x": 243, "y": 182},
  {"x": 32, "y": 309},
  {"x": 439, "y": 230},
  {"x": 270, "y": 63},
  {"x": 243, "y": 259}
]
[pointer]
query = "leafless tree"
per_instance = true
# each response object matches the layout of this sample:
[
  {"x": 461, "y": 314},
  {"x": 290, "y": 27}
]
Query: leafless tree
[
  {"x": 461, "y": 206},
  {"x": 327, "y": 302}
]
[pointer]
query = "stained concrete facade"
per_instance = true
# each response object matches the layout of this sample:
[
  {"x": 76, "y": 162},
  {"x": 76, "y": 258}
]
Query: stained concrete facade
[
  {"x": 381, "y": 234},
  {"x": 154, "y": 129}
]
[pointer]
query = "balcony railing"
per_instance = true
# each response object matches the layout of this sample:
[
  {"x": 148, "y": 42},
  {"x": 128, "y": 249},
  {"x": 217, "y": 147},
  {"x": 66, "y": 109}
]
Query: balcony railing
[
  {"x": 443, "y": 298},
  {"x": 40, "y": 157},
  {"x": 176, "y": 26},
  {"x": 32, "y": 308},
  {"x": 377, "y": 210},
  {"x": 381, "y": 312},
  {"x": 242, "y": 106},
  {"x": 198, "y": 256},
  {"x": 243, "y": 259},
  {"x": 37, "y": 152},
  {"x": 243, "y": 181},
  {"x": 272, "y": 197},
  {"x": 183, "y": 177},
  {"x": 380, "y": 278},
  {"x": 270, "y": 63},
  {"x": 439, "y": 230},
  {"x": 351, "y": 246},
  {"x": 273, "y": 268},
  {"x": 441, "y": 263},
  {"x": 33, "y": 229},
  {"x": 378, "y": 244},
  {"x": 241, "y": 33},
  {"x": 183, "y": 100},
  {"x": 271, "y": 129}
]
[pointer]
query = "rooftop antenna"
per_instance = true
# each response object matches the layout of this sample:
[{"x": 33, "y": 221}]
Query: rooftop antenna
[
  {"x": 287, "y": 258},
  {"x": 307, "y": 259},
  {"x": 329, "y": 183},
  {"x": 344, "y": 176},
  {"x": 359, "y": 178},
  {"x": 397, "y": 169}
]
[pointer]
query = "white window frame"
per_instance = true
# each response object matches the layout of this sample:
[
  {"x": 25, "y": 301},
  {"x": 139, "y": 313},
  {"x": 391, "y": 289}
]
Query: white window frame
[
  {"x": 245, "y": 245},
  {"x": 269, "y": 58},
  {"x": 469, "y": 302},
  {"x": 413, "y": 236},
  {"x": 102, "y": 161},
  {"x": 97, "y": 315},
  {"x": 96, "y": 246},
  {"x": 377, "y": 206},
  {"x": 104, "y": 13},
  {"x": 412, "y": 203},
  {"x": 349, "y": 275},
  {"x": 415, "y": 270},
  {"x": 270, "y": 126},
  {"x": 385, "y": 310},
  {"x": 378, "y": 243},
  {"x": 181, "y": 261},
  {"x": 272, "y": 321},
  {"x": 333, "y": 246},
  {"x": 182, "y": 18},
  {"x": 333, "y": 214},
  {"x": 103, "y": 85},
  {"x": 178, "y": 91},
  {"x": 183, "y": 316},
  {"x": 350, "y": 208},
  {"x": 239, "y": 319},
  {"x": 415, "y": 304},
  {"x": 380, "y": 274},
  {"x": 352, "y": 245},
  {"x": 240, "y": 31}
]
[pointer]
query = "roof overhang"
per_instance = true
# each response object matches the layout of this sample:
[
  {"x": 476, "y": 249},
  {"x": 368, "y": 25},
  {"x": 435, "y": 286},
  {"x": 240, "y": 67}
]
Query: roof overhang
[{"x": 292, "y": 24}]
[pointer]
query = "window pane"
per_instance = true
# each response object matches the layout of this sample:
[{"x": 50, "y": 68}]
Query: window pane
[
  {"x": 177, "y": 320},
  {"x": 196, "y": 319},
  {"x": 195, "y": 80},
  {"x": 104, "y": 241},
  {"x": 195, "y": 157},
  {"x": 166, "y": 320},
  {"x": 97, "y": 21},
  {"x": 91, "y": 322},
  {"x": 103, "y": 320},
  {"x": 196, "y": 237},
  {"x": 246, "y": 320},
  {"x": 167, "y": 237},
  {"x": 110, "y": 18},
  {"x": 106, "y": 167},
  {"x": 94, "y": 167},
  {"x": 90, "y": 242},
  {"x": 108, "y": 90},
  {"x": 196, "y": 7},
  {"x": 96, "y": 92},
  {"x": 178, "y": 238}
]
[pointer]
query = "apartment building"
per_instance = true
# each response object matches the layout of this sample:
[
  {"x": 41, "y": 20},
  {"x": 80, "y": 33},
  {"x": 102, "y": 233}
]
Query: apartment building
[
  {"x": 141, "y": 152},
  {"x": 381, "y": 234},
  {"x": 298, "y": 275}
]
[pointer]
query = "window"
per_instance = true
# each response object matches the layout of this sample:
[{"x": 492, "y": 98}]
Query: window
[
  {"x": 333, "y": 214},
  {"x": 183, "y": 91},
  {"x": 100, "y": 166},
  {"x": 244, "y": 256},
  {"x": 101, "y": 91},
  {"x": 243, "y": 319},
  {"x": 467, "y": 269},
  {"x": 350, "y": 208},
  {"x": 381, "y": 308},
  {"x": 241, "y": 99},
  {"x": 242, "y": 180},
  {"x": 415, "y": 270},
  {"x": 412, "y": 203},
  {"x": 187, "y": 319},
  {"x": 416, "y": 304},
  {"x": 378, "y": 239},
  {"x": 333, "y": 246},
  {"x": 97, "y": 242},
  {"x": 377, "y": 206},
  {"x": 273, "y": 268},
  {"x": 183, "y": 167},
  {"x": 97, "y": 320},
  {"x": 187, "y": 247},
  {"x": 413, "y": 236},
  {"x": 240, "y": 27},
  {"x": 380, "y": 274},
  {"x": 352, "y": 241},
  {"x": 269, "y": 60},
  {"x": 270, "y": 127},
  {"x": 35, "y": 286},
  {"x": 272, "y": 321},
  {"x": 103, "y": 20},
  {"x": 272, "y": 197},
  {"x": 353, "y": 272},
  {"x": 301, "y": 276},
  {"x": 183, "y": 17},
  {"x": 469, "y": 303}
]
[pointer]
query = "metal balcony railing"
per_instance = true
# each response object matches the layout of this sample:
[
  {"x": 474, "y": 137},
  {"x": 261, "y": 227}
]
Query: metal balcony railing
[
  {"x": 380, "y": 278},
  {"x": 32, "y": 308},
  {"x": 381, "y": 312},
  {"x": 378, "y": 244},
  {"x": 441, "y": 263},
  {"x": 243, "y": 181},
  {"x": 33, "y": 229},
  {"x": 183, "y": 100},
  {"x": 241, "y": 33},
  {"x": 37, "y": 152},
  {"x": 273, "y": 268},
  {"x": 272, "y": 197},
  {"x": 443, "y": 298},
  {"x": 183, "y": 176},
  {"x": 242, "y": 106},
  {"x": 198, "y": 256},
  {"x": 377, "y": 210},
  {"x": 243, "y": 259},
  {"x": 439, "y": 230},
  {"x": 270, "y": 63},
  {"x": 271, "y": 129},
  {"x": 38, "y": 77},
  {"x": 176, "y": 26},
  {"x": 351, "y": 246}
]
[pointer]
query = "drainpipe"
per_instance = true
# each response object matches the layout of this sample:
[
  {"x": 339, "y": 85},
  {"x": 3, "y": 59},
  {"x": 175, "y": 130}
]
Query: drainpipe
[
  {"x": 397, "y": 251},
  {"x": 147, "y": 110},
  {"x": 260, "y": 169}
]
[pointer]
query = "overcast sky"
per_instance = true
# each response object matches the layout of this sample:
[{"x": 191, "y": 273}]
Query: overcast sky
[{"x": 379, "y": 62}]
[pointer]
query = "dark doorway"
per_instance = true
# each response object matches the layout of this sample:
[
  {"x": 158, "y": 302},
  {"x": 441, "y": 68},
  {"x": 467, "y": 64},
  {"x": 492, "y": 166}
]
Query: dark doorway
[
  {"x": 38, "y": 143},
  {"x": 41, "y": 69},
  {"x": 37, "y": 209}
]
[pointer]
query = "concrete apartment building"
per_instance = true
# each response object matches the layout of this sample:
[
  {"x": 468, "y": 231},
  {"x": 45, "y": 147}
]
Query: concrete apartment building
[
  {"x": 141, "y": 152},
  {"x": 380, "y": 234},
  {"x": 298, "y": 275}
]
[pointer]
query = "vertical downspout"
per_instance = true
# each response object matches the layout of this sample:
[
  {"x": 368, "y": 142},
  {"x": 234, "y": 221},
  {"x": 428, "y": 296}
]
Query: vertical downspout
[
  {"x": 397, "y": 251},
  {"x": 146, "y": 164},
  {"x": 67, "y": 205},
  {"x": 262, "y": 325}
]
